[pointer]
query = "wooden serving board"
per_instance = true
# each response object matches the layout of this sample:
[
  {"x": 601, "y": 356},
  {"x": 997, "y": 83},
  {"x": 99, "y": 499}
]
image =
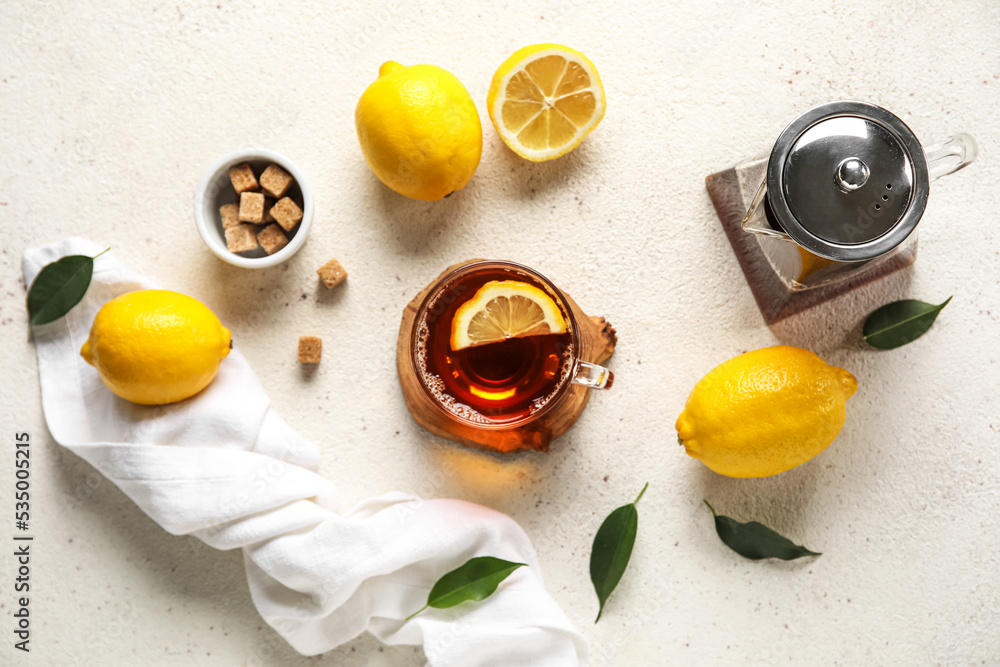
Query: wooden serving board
[{"x": 731, "y": 192}]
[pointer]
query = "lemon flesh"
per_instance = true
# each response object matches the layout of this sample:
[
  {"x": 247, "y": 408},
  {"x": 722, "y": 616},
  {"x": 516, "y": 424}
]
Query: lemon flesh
[
  {"x": 503, "y": 309},
  {"x": 155, "y": 346},
  {"x": 810, "y": 263},
  {"x": 765, "y": 411},
  {"x": 419, "y": 131},
  {"x": 544, "y": 99}
]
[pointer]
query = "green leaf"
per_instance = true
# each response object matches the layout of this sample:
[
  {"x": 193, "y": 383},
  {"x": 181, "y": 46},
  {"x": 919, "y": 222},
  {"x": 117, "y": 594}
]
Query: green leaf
[
  {"x": 476, "y": 580},
  {"x": 612, "y": 550},
  {"x": 900, "y": 322},
  {"x": 755, "y": 540},
  {"x": 58, "y": 287}
]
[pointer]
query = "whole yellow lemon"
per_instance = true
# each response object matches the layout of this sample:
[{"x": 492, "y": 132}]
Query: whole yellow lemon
[
  {"x": 419, "y": 131},
  {"x": 765, "y": 411},
  {"x": 155, "y": 346}
]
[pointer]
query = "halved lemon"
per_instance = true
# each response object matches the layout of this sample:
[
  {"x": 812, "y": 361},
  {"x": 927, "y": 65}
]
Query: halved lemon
[
  {"x": 544, "y": 100},
  {"x": 503, "y": 309}
]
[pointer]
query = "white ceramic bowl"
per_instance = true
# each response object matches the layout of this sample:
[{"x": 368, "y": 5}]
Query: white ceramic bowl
[{"x": 215, "y": 189}]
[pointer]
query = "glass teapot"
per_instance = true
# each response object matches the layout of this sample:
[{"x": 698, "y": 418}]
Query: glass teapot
[{"x": 846, "y": 184}]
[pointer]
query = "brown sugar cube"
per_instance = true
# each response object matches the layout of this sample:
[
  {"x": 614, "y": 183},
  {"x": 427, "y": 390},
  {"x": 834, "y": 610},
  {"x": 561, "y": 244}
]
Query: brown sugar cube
[
  {"x": 230, "y": 214},
  {"x": 286, "y": 213},
  {"x": 241, "y": 238},
  {"x": 275, "y": 181},
  {"x": 272, "y": 239},
  {"x": 332, "y": 273},
  {"x": 310, "y": 349},
  {"x": 252, "y": 207},
  {"x": 268, "y": 205},
  {"x": 243, "y": 179}
]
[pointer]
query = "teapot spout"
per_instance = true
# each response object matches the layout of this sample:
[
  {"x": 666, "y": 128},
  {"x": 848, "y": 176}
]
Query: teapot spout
[{"x": 756, "y": 220}]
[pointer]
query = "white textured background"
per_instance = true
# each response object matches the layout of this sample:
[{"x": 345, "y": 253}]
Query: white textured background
[{"x": 109, "y": 115}]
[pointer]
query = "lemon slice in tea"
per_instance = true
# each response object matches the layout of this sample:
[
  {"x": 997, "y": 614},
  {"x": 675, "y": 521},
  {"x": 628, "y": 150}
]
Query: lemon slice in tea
[
  {"x": 503, "y": 309},
  {"x": 544, "y": 100}
]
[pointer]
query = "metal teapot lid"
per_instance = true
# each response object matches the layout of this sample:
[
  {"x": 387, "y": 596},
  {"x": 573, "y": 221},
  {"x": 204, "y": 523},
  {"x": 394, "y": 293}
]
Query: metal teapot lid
[{"x": 847, "y": 181}]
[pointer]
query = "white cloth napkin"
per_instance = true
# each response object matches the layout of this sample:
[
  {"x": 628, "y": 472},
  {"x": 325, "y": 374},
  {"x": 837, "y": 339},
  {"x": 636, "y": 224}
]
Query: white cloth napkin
[{"x": 225, "y": 467}]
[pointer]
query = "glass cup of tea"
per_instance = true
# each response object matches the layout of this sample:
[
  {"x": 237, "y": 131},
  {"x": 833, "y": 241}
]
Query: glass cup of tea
[{"x": 508, "y": 393}]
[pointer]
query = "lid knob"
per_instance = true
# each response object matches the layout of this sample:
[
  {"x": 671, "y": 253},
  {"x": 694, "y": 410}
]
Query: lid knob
[{"x": 851, "y": 174}]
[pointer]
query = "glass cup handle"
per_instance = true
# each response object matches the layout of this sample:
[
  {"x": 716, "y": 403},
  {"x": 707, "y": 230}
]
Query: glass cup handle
[
  {"x": 950, "y": 155},
  {"x": 592, "y": 375}
]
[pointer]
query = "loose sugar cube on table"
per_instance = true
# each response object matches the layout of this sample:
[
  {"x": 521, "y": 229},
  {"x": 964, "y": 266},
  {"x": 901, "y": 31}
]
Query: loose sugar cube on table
[
  {"x": 275, "y": 181},
  {"x": 272, "y": 239},
  {"x": 252, "y": 207},
  {"x": 243, "y": 179},
  {"x": 241, "y": 238},
  {"x": 332, "y": 273},
  {"x": 230, "y": 214},
  {"x": 286, "y": 213},
  {"x": 310, "y": 349}
]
